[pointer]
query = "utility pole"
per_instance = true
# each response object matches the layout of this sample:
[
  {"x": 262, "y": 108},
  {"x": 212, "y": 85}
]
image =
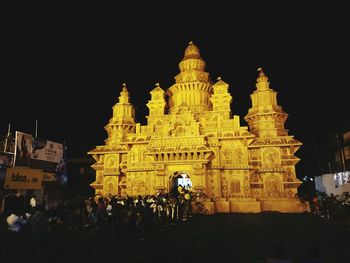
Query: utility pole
[
  {"x": 7, "y": 137},
  {"x": 36, "y": 128}
]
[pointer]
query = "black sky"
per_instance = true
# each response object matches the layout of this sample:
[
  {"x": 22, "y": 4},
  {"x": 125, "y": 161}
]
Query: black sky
[{"x": 64, "y": 65}]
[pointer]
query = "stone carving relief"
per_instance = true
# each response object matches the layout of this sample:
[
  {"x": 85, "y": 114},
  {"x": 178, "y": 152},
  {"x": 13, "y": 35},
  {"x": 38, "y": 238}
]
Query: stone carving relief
[
  {"x": 224, "y": 185},
  {"x": 111, "y": 186},
  {"x": 99, "y": 179},
  {"x": 158, "y": 127},
  {"x": 157, "y": 96},
  {"x": 227, "y": 156},
  {"x": 179, "y": 131},
  {"x": 256, "y": 177},
  {"x": 111, "y": 161},
  {"x": 239, "y": 155},
  {"x": 134, "y": 156},
  {"x": 123, "y": 183},
  {"x": 235, "y": 186},
  {"x": 288, "y": 175},
  {"x": 138, "y": 187},
  {"x": 271, "y": 158},
  {"x": 273, "y": 186},
  {"x": 212, "y": 183}
]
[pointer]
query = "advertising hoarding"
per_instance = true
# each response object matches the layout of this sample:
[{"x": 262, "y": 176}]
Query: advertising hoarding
[
  {"x": 23, "y": 149},
  {"x": 48, "y": 151},
  {"x": 23, "y": 178}
]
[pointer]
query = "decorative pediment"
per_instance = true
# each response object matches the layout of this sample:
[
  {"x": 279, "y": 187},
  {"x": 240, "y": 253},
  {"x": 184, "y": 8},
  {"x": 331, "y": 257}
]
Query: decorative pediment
[
  {"x": 184, "y": 149},
  {"x": 96, "y": 186},
  {"x": 135, "y": 139},
  {"x": 109, "y": 149},
  {"x": 97, "y": 167}
]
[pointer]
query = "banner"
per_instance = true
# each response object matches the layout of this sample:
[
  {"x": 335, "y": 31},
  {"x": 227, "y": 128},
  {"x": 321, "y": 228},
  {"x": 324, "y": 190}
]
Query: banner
[
  {"x": 6, "y": 159},
  {"x": 45, "y": 150},
  {"x": 7, "y": 144},
  {"x": 23, "y": 178},
  {"x": 23, "y": 149}
]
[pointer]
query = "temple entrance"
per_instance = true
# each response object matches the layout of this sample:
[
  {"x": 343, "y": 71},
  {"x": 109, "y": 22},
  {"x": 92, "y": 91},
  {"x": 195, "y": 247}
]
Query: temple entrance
[{"x": 177, "y": 179}]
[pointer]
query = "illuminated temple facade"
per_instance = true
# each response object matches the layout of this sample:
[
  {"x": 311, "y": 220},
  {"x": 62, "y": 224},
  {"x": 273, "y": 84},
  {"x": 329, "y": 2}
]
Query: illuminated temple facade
[{"x": 191, "y": 130}]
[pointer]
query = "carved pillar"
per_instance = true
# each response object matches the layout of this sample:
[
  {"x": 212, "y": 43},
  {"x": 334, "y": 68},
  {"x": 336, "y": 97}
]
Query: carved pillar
[
  {"x": 160, "y": 178},
  {"x": 199, "y": 178},
  {"x": 224, "y": 186},
  {"x": 247, "y": 190}
]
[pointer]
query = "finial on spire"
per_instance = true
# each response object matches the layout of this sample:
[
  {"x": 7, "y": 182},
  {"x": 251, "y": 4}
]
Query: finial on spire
[
  {"x": 190, "y": 43},
  {"x": 124, "y": 87},
  {"x": 262, "y": 78},
  {"x": 261, "y": 72},
  {"x": 219, "y": 78},
  {"x": 157, "y": 84}
]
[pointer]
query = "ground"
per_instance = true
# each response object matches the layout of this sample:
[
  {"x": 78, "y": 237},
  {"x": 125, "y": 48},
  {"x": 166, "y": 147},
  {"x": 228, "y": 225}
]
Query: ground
[{"x": 215, "y": 238}]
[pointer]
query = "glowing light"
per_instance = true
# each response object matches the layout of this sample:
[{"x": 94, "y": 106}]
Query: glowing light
[{"x": 192, "y": 137}]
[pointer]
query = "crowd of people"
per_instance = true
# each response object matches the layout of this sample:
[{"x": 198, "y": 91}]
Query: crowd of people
[
  {"x": 130, "y": 215},
  {"x": 335, "y": 207}
]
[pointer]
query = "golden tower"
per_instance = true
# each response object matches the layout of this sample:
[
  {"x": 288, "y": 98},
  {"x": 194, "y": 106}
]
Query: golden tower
[{"x": 192, "y": 133}]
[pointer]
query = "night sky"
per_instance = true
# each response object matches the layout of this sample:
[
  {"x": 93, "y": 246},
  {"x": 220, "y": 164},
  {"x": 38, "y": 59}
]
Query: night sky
[{"x": 64, "y": 66}]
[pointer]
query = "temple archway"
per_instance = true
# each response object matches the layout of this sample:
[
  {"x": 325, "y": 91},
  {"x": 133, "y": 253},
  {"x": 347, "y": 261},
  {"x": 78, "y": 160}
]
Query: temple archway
[{"x": 179, "y": 178}]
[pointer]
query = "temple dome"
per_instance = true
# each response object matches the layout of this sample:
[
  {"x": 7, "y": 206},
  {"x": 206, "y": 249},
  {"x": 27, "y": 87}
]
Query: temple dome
[
  {"x": 192, "y": 59},
  {"x": 192, "y": 51}
]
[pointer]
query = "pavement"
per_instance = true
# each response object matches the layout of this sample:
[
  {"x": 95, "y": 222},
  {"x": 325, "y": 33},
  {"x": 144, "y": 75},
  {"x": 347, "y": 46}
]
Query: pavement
[{"x": 203, "y": 238}]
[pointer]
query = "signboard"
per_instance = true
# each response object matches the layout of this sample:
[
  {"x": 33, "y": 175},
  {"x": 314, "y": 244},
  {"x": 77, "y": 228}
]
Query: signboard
[
  {"x": 7, "y": 144},
  {"x": 45, "y": 150},
  {"x": 341, "y": 178},
  {"x": 23, "y": 149},
  {"x": 49, "y": 177},
  {"x": 6, "y": 159},
  {"x": 23, "y": 178}
]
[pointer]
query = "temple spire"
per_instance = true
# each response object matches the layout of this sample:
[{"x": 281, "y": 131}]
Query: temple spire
[
  {"x": 124, "y": 95},
  {"x": 157, "y": 103},
  {"x": 122, "y": 121},
  {"x": 221, "y": 99},
  {"x": 124, "y": 89},
  {"x": 265, "y": 118},
  {"x": 262, "y": 80},
  {"x": 192, "y": 85}
]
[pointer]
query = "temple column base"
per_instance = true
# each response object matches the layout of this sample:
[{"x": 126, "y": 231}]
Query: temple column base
[
  {"x": 245, "y": 206},
  {"x": 283, "y": 205},
  {"x": 205, "y": 207},
  {"x": 221, "y": 205}
]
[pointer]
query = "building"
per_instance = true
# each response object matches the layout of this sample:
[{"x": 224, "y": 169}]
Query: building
[
  {"x": 80, "y": 176},
  {"x": 7, "y": 146},
  {"x": 40, "y": 176},
  {"x": 333, "y": 153},
  {"x": 191, "y": 133}
]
